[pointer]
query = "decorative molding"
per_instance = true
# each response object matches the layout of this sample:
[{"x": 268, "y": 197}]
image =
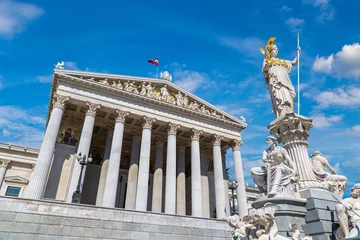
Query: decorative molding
[
  {"x": 4, "y": 163},
  {"x": 148, "y": 122},
  {"x": 121, "y": 115},
  {"x": 16, "y": 179},
  {"x": 60, "y": 101},
  {"x": 172, "y": 128},
  {"x": 92, "y": 108},
  {"x": 236, "y": 144},
  {"x": 216, "y": 139},
  {"x": 195, "y": 134}
]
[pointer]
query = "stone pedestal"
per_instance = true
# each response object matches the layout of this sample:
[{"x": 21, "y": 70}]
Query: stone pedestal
[
  {"x": 320, "y": 218},
  {"x": 290, "y": 211},
  {"x": 292, "y": 131}
]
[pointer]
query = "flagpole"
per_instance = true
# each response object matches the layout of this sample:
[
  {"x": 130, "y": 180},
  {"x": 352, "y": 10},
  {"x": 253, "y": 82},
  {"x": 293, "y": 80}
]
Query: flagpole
[
  {"x": 298, "y": 69},
  {"x": 156, "y": 71}
]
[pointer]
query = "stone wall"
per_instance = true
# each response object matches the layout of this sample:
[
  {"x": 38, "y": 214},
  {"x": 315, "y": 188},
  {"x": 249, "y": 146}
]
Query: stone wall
[{"x": 32, "y": 219}]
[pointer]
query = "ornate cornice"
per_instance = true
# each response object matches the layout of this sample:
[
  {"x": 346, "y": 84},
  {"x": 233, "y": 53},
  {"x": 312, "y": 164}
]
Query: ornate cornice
[
  {"x": 59, "y": 101},
  {"x": 148, "y": 122},
  {"x": 4, "y": 163},
  {"x": 172, "y": 128},
  {"x": 195, "y": 134},
  {"x": 92, "y": 108},
  {"x": 216, "y": 139},
  {"x": 121, "y": 115},
  {"x": 236, "y": 144}
]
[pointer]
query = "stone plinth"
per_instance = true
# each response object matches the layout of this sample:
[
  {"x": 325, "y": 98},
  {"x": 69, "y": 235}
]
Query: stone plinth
[
  {"x": 320, "y": 219},
  {"x": 292, "y": 131},
  {"x": 290, "y": 211},
  {"x": 38, "y": 219}
]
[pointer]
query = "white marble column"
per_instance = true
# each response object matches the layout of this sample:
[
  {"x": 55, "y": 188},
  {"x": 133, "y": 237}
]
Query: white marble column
[
  {"x": 83, "y": 147},
  {"x": 239, "y": 177},
  {"x": 36, "y": 187},
  {"x": 205, "y": 194},
  {"x": 104, "y": 166},
  {"x": 144, "y": 164},
  {"x": 158, "y": 176},
  {"x": 180, "y": 180},
  {"x": 196, "y": 194},
  {"x": 112, "y": 177},
  {"x": 133, "y": 171},
  {"x": 3, "y": 167},
  {"x": 170, "y": 187},
  {"x": 226, "y": 184},
  {"x": 218, "y": 178}
]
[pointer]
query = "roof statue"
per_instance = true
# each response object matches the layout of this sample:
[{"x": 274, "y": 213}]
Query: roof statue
[
  {"x": 276, "y": 72},
  {"x": 60, "y": 65},
  {"x": 166, "y": 75}
]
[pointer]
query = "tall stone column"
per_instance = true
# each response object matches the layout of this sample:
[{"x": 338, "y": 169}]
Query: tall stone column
[
  {"x": 36, "y": 187},
  {"x": 112, "y": 177},
  {"x": 104, "y": 166},
  {"x": 144, "y": 164},
  {"x": 205, "y": 194},
  {"x": 158, "y": 176},
  {"x": 83, "y": 148},
  {"x": 218, "y": 177},
  {"x": 292, "y": 131},
  {"x": 239, "y": 177},
  {"x": 3, "y": 167},
  {"x": 133, "y": 172},
  {"x": 196, "y": 198},
  {"x": 180, "y": 180},
  {"x": 226, "y": 184},
  {"x": 170, "y": 187}
]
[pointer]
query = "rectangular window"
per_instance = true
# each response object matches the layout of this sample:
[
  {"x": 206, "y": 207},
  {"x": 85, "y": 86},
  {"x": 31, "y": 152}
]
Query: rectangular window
[{"x": 12, "y": 191}]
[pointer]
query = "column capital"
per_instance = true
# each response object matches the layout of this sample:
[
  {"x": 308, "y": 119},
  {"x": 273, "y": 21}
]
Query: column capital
[
  {"x": 195, "y": 135},
  {"x": 92, "y": 108},
  {"x": 160, "y": 141},
  {"x": 60, "y": 101},
  {"x": 110, "y": 130},
  {"x": 172, "y": 128},
  {"x": 121, "y": 115},
  {"x": 4, "y": 163},
  {"x": 216, "y": 139},
  {"x": 136, "y": 135},
  {"x": 181, "y": 146},
  {"x": 236, "y": 144},
  {"x": 148, "y": 122}
]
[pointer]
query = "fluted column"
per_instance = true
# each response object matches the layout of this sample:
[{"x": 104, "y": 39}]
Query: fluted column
[
  {"x": 36, "y": 187},
  {"x": 180, "y": 180},
  {"x": 239, "y": 177},
  {"x": 196, "y": 198},
  {"x": 218, "y": 177},
  {"x": 133, "y": 172},
  {"x": 84, "y": 147},
  {"x": 3, "y": 167},
  {"x": 144, "y": 164},
  {"x": 104, "y": 166},
  {"x": 170, "y": 187},
  {"x": 158, "y": 176},
  {"x": 226, "y": 184},
  {"x": 112, "y": 177},
  {"x": 205, "y": 194}
]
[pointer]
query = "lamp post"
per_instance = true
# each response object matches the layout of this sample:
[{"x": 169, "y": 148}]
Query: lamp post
[
  {"x": 83, "y": 161},
  {"x": 233, "y": 185}
]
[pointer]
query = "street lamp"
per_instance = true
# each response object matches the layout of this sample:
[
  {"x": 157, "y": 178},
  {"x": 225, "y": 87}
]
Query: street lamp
[
  {"x": 83, "y": 161},
  {"x": 233, "y": 185}
]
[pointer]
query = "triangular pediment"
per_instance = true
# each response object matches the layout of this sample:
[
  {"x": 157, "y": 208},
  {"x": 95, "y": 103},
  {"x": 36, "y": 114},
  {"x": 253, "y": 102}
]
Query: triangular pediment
[
  {"x": 157, "y": 90},
  {"x": 16, "y": 179}
]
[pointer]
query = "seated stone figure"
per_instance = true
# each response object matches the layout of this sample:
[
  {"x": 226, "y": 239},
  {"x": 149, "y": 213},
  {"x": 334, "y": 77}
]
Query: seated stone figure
[
  {"x": 335, "y": 183},
  {"x": 282, "y": 172},
  {"x": 348, "y": 214}
]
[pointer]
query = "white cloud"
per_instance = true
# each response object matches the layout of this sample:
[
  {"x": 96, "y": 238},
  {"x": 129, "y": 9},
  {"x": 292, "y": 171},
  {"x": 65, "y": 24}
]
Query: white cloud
[
  {"x": 343, "y": 64},
  {"x": 190, "y": 80},
  {"x": 235, "y": 110},
  {"x": 343, "y": 97},
  {"x": 45, "y": 79},
  {"x": 295, "y": 24},
  {"x": 352, "y": 163},
  {"x": 246, "y": 46},
  {"x": 70, "y": 66},
  {"x": 285, "y": 9},
  {"x": 5, "y": 133},
  {"x": 14, "y": 16},
  {"x": 321, "y": 121},
  {"x": 327, "y": 11}
]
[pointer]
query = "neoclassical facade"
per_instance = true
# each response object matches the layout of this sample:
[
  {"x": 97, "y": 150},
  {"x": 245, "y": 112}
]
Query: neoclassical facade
[{"x": 155, "y": 147}]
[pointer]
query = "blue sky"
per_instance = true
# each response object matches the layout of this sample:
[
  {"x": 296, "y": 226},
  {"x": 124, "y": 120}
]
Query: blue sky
[{"x": 211, "y": 48}]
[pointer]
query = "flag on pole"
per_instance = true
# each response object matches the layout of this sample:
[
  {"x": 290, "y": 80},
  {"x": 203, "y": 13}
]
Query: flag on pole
[{"x": 155, "y": 61}]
